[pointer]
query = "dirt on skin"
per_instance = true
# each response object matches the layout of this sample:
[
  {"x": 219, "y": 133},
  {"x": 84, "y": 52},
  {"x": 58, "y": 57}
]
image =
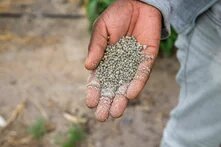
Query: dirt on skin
[{"x": 41, "y": 60}]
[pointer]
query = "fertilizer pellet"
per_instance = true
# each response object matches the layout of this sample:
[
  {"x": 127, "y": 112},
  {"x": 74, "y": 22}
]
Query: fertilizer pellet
[{"x": 119, "y": 65}]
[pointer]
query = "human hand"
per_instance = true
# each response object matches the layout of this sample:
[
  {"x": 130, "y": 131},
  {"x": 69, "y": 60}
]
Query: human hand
[{"x": 122, "y": 18}]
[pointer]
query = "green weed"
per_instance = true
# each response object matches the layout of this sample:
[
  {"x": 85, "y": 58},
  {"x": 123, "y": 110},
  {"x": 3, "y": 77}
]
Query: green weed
[
  {"x": 74, "y": 136},
  {"x": 38, "y": 129}
]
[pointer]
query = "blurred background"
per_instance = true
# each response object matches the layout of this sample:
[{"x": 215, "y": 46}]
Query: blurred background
[{"x": 43, "y": 45}]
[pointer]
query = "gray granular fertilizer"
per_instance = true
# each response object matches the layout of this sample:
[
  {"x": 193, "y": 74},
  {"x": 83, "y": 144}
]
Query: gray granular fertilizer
[{"x": 119, "y": 64}]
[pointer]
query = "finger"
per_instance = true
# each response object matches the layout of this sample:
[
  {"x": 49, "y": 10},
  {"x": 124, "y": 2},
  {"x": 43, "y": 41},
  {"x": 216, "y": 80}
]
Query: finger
[
  {"x": 147, "y": 32},
  {"x": 120, "y": 101},
  {"x": 141, "y": 76},
  {"x": 93, "y": 91},
  {"x": 102, "y": 112},
  {"x": 118, "y": 106},
  {"x": 97, "y": 45}
]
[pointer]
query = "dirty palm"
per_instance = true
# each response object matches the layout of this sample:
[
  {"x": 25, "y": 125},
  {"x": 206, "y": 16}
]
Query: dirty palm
[{"x": 122, "y": 18}]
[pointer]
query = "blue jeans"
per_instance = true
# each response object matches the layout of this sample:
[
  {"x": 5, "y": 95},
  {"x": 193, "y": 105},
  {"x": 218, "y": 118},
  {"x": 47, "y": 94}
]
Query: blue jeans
[{"x": 196, "y": 120}]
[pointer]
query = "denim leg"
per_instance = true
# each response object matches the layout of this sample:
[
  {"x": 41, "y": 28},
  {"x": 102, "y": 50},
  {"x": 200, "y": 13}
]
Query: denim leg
[{"x": 196, "y": 120}]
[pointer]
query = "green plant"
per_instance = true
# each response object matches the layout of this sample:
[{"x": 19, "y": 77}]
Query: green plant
[
  {"x": 167, "y": 46},
  {"x": 96, "y": 7},
  {"x": 74, "y": 135},
  {"x": 38, "y": 129}
]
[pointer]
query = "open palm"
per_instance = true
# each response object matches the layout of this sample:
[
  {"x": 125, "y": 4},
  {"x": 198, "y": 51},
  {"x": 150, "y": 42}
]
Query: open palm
[{"x": 122, "y": 18}]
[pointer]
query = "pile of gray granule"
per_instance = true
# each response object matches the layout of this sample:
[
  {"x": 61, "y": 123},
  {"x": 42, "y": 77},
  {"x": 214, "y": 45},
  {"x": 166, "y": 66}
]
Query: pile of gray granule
[{"x": 119, "y": 64}]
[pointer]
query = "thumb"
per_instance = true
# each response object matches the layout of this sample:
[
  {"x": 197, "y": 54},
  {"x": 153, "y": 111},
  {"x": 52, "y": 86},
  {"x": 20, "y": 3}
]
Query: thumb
[{"x": 97, "y": 45}]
